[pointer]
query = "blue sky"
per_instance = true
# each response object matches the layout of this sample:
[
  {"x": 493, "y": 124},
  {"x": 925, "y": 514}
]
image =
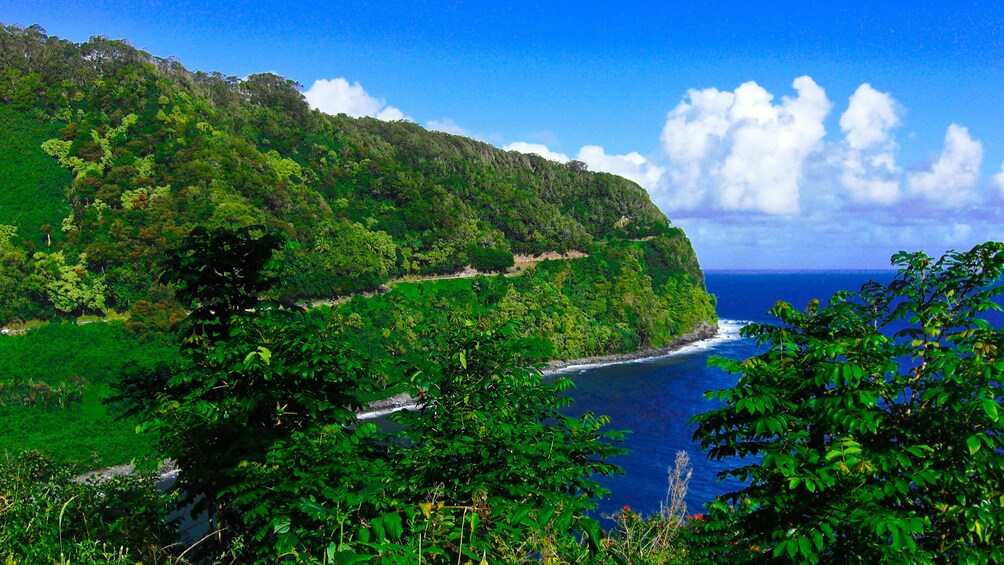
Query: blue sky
[{"x": 778, "y": 135}]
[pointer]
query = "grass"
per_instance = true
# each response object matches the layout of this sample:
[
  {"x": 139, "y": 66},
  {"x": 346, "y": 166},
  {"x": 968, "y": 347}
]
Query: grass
[
  {"x": 85, "y": 430},
  {"x": 83, "y": 433}
]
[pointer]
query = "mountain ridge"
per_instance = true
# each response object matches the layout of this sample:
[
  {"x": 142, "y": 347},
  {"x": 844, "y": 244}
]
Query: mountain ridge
[{"x": 147, "y": 150}]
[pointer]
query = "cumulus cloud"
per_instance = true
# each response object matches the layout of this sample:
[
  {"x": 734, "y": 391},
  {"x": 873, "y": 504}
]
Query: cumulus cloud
[
  {"x": 999, "y": 181},
  {"x": 747, "y": 173},
  {"x": 869, "y": 171},
  {"x": 337, "y": 96},
  {"x": 870, "y": 179},
  {"x": 447, "y": 125},
  {"x": 536, "y": 149},
  {"x": 740, "y": 151},
  {"x": 870, "y": 118},
  {"x": 632, "y": 166},
  {"x": 952, "y": 177}
]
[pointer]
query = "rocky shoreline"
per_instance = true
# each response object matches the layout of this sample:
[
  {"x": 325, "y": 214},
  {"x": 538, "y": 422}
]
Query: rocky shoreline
[
  {"x": 397, "y": 402},
  {"x": 705, "y": 331}
]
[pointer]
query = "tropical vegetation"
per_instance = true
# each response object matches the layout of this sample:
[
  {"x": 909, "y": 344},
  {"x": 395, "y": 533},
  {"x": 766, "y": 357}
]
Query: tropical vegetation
[
  {"x": 189, "y": 218},
  {"x": 871, "y": 427}
]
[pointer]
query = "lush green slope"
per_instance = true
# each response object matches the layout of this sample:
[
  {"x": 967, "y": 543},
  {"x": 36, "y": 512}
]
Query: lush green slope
[
  {"x": 598, "y": 305},
  {"x": 118, "y": 155},
  {"x": 32, "y": 197},
  {"x": 149, "y": 150},
  {"x": 53, "y": 381}
]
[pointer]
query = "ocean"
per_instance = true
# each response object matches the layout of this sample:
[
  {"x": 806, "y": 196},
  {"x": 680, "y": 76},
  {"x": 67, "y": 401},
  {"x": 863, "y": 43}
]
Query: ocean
[{"x": 655, "y": 399}]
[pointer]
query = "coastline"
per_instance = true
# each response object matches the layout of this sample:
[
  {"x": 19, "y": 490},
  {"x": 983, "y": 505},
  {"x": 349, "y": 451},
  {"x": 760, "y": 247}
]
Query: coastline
[{"x": 705, "y": 331}]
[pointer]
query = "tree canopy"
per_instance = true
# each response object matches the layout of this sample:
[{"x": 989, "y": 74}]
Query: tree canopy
[
  {"x": 871, "y": 426},
  {"x": 116, "y": 155},
  {"x": 260, "y": 415}
]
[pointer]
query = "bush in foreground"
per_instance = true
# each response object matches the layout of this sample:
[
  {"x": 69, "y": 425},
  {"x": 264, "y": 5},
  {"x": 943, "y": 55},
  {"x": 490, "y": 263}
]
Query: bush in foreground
[{"x": 872, "y": 425}]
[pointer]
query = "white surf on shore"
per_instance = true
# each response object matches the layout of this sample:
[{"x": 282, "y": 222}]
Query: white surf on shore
[{"x": 728, "y": 330}]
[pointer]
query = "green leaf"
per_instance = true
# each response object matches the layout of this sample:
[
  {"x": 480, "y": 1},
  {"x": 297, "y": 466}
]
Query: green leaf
[
  {"x": 990, "y": 407},
  {"x": 394, "y": 526},
  {"x": 805, "y": 546},
  {"x": 347, "y": 557},
  {"x": 379, "y": 532},
  {"x": 974, "y": 444}
]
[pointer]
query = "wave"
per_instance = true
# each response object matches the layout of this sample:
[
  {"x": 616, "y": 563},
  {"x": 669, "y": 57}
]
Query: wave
[{"x": 728, "y": 331}]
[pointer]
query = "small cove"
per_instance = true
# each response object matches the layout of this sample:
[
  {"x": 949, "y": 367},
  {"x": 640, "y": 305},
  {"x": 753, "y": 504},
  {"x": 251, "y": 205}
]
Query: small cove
[{"x": 655, "y": 398}]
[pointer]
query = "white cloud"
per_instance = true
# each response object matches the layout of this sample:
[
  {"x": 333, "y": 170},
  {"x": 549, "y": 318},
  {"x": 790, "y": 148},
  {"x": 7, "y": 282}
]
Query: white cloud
[
  {"x": 447, "y": 125},
  {"x": 870, "y": 117},
  {"x": 390, "y": 114},
  {"x": 869, "y": 180},
  {"x": 999, "y": 181},
  {"x": 536, "y": 149},
  {"x": 631, "y": 166},
  {"x": 869, "y": 171},
  {"x": 952, "y": 177},
  {"x": 740, "y": 151},
  {"x": 337, "y": 96}
]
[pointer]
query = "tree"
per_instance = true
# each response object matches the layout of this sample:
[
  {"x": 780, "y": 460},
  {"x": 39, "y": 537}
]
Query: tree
[
  {"x": 260, "y": 415},
  {"x": 220, "y": 274},
  {"x": 489, "y": 437},
  {"x": 871, "y": 426},
  {"x": 71, "y": 288},
  {"x": 256, "y": 381}
]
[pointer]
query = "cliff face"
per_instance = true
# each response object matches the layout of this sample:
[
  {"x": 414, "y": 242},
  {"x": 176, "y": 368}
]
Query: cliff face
[{"x": 130, "y": 151}]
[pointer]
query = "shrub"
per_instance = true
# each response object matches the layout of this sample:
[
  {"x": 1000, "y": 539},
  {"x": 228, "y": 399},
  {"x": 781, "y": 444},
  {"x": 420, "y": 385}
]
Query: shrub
[{"x": 872, "y": 424}]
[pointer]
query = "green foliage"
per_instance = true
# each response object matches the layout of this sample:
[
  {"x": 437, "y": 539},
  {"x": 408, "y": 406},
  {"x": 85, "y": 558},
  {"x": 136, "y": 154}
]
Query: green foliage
[
  {"x": 55, "y": 352},
  {"x": 150, "y": 150},
  {"x": 72, "y": 289},
  {"x": 53, "y": 380},
  {"x": 153, "y": 321},
  {"x": 260, "y": 419},
  {"x": 22, "y": 290},
  {"x": 345, "y": 258},
  {"x": 874, "y": 422},
  {"x": 32, "y": 185},
  {"x": 220, "y": 274},
  {"x": 48, "y": 516},
  {"x": 489, "y": 428},
  {"x": 490, "y": 259},
  {"x": 596, "y": 305}
]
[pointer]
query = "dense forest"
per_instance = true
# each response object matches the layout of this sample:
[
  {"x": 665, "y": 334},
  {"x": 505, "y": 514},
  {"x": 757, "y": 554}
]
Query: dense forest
[
  {"x": 136, "y": 194},
  {"x": 162, "y": 232},
  {"x": 115, "y": 155}
]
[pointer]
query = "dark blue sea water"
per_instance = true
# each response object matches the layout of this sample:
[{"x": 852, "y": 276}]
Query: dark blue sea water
[{"x": 655, "y": 399}]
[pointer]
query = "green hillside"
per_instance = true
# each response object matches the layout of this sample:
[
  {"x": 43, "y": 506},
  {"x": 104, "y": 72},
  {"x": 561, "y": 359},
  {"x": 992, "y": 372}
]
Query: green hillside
[
  {"x": 32, "y": 184},
  {"x": 120, "y": 167},
  {"x": 118, "y": 154}
]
